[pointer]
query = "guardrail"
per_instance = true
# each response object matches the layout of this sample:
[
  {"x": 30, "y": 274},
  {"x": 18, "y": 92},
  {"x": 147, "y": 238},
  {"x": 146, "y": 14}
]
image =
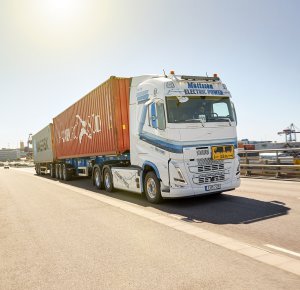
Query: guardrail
[{"x": 284, "y": 162}]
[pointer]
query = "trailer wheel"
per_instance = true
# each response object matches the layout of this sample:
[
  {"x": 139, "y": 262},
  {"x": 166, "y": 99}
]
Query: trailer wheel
[
  {"x": 60, "y": 176},
  {"x": 65, "y": 173},
  {"x": 57, "y": 171},
  {"x": 52, "y": 170},
  {"x": 108, "y": 182},
  {"x": 38, "y": 169},
  {"x": 152, "y": 188},
  {"x": 97, "y": 178}
]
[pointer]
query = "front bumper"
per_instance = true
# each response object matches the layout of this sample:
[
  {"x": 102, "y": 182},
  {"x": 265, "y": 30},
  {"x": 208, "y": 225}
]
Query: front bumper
[{"x": 186, "y": 191}]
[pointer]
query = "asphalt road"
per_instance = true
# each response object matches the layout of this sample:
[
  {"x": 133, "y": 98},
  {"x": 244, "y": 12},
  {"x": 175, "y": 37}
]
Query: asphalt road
[{"x": 58, "y": 236}]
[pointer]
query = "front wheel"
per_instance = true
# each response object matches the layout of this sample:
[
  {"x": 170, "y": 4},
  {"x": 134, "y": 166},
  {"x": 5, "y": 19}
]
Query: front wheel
[
  {"x": 108, "y": 182},
  {"x": 152, "y": 188}
]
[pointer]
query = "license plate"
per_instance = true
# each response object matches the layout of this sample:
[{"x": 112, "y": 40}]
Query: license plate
[
  {"x": 222, "y": 152},
  {"x": 212, "y": 187}
]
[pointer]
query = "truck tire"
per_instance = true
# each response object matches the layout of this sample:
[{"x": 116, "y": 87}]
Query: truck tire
[
  {"x": 107, "y": 180},
  {"x": 38, "y": 169},
  {"x": 60, "y": 172},
  {"x": 97, "y": 178},
  {"x": 152, "y": 188},
  {"x": 57, "y": 171},
  {"x": 65, "y": 173},
  {"x": 52, "y": 170}
]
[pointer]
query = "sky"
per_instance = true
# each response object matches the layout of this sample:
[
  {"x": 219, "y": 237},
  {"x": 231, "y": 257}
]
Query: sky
[{"x": 53, "y": 52}]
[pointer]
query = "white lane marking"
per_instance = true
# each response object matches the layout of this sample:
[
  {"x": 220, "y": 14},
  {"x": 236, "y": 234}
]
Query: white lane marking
[
  {"x": 283, "y": 250},
  {"x": 262, "y": 255}
]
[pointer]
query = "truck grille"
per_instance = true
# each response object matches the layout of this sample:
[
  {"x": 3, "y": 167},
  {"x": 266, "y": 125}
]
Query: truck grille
[
  {"x": 202, "y": 179},
  {"x": 212, "y": 167},
  {"x": 208, "y": 161},
  {"x": 208, "y": 171},
  {"x": 207, "y": 165}
]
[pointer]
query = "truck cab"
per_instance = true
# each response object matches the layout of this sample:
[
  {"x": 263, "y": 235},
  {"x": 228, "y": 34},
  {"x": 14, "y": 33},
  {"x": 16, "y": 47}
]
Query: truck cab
[{"x": 183, "y": 130}]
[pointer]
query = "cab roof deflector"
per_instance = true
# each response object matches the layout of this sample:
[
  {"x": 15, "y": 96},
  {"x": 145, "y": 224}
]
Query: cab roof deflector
[{"x": 199, "y": 78}]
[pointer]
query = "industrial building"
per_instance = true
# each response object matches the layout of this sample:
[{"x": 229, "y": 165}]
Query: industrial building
[{"x": 9, "y": 154}]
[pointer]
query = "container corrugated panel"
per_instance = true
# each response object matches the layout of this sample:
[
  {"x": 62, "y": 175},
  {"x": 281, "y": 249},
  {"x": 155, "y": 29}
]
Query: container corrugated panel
[
  {"x": 98, "y": 124},
  {"x": 43, "y": 145}
]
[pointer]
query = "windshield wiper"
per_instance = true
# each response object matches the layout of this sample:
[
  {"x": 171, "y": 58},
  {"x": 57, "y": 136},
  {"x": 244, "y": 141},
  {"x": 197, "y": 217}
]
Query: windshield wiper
[
  {"x": 226, "y": 119},
  {"x": 201, "y": 121}
]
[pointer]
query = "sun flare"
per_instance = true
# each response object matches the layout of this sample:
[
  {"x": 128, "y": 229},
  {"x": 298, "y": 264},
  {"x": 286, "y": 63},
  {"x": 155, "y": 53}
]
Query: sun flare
[{"x": 61, "y": 11}]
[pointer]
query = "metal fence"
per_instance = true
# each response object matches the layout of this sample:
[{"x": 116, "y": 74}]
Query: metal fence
[{"x": 277, "y": 163}]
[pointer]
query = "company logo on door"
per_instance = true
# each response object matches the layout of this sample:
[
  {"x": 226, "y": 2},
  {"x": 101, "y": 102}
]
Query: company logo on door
[{"x": 81, "y": 129}]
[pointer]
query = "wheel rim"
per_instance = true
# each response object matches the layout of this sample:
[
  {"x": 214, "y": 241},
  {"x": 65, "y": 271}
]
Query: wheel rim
[
  {"x": 107, "y": 180},
  {"x": 151, "y": 188},
  {"x": 97, "y": 178}
]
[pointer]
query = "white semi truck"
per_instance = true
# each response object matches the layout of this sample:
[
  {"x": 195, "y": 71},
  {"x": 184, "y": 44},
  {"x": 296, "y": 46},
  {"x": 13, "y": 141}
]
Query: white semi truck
[{"x": 182, "y": 138}]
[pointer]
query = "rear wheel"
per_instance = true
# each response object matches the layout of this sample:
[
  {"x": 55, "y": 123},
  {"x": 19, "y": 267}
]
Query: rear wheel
[
  {"x": 152, "y": 188},
  {"x": 40, "y": 172},
  {"x": 60, "y": 172},
  {"x": 52, "y": 170},
  {"x": 57, "y": 171},
  {"x": 97, "y": 178},
  {"x": 38, "y": 169},
  {"x": 65, "y": 173},
  {"x": 108, "y": 182}
]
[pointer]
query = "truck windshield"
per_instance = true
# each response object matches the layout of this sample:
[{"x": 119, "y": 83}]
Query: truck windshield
[{"x": 199, "y": 109}]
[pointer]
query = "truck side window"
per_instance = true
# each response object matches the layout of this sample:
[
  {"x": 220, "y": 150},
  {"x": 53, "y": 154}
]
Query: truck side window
[
  {"x": 153, "y": 116},
  {"x": 156, "y": 116},
  {"x": 161, "y": 119}
]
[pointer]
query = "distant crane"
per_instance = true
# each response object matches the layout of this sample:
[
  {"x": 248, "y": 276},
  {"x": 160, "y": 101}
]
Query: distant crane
[
  {"x": 29, "y": 150},
  {"x": 290, "y": 133},
  {"x": 29, "y": 140}
]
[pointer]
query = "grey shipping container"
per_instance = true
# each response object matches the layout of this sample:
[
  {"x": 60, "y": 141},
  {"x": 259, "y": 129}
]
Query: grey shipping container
[{"x": 43, "y": 146}]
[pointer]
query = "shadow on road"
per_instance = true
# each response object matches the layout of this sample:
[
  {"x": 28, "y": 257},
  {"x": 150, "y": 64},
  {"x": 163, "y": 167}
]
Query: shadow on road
[
  {"x": 214, "y": 209},
  {"x": 225, "y": 209}
]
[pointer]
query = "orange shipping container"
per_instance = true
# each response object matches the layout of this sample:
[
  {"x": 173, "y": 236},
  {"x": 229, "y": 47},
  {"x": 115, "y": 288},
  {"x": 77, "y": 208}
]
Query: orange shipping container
[
  {"x": 249, "y": 147},
  {"x": 98, "y": 124}
]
